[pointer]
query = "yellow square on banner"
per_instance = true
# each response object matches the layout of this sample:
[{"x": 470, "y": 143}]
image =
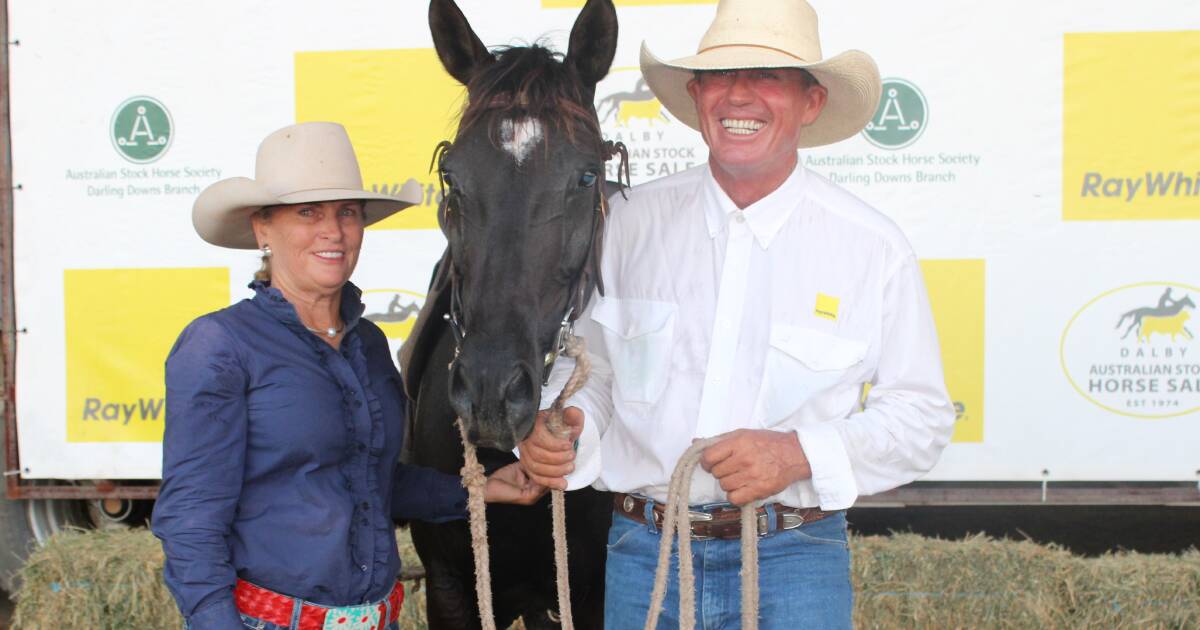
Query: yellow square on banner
[
  {"x": 956, "y": 295},
  {"x": 1131, "y": 126},
  {"x": 120, "y": 325},
  {"x": 397, "y": 105},
  {"x": 575, "y": 4}
]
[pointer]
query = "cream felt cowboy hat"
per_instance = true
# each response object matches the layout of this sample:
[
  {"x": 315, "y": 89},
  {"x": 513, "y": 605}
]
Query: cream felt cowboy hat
[
  {"x": 772, "y": 34},
  {"x": 303, "y": 163}
]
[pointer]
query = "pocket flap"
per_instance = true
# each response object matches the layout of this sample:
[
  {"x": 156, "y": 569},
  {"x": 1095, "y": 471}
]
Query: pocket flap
[
  {"x": 817, "y": 349},
  {"x": 630, "y": 319}
]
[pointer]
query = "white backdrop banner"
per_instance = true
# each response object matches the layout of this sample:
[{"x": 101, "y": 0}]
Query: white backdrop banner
[{"x": 1043, "y": 158}]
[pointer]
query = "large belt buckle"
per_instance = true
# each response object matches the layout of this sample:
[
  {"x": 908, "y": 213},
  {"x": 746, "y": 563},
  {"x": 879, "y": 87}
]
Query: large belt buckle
[
  {"x": 694, "y": 517},
  {"x": 791, "y": 520}
]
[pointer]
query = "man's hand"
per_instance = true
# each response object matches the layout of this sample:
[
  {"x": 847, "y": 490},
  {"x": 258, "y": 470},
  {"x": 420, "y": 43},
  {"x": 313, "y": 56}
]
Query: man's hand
[
  {"x": 510, "y": 485},
  {"x": 753, "y": 464},
  {"x": 548, "y": 459}
]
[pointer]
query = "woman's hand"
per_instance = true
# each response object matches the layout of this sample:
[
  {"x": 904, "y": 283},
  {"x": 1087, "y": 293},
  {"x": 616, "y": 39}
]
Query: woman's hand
[{"x": 511, "y": 485}]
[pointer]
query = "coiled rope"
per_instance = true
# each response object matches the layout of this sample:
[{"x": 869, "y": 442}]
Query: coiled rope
[
  {"x": 474, "y": 480},
  {"x": 676, "y": 522}
]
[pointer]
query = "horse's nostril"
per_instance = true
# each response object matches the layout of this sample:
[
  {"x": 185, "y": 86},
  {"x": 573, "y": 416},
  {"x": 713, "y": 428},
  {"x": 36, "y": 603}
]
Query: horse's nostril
[{"x": 519, "y": 390}]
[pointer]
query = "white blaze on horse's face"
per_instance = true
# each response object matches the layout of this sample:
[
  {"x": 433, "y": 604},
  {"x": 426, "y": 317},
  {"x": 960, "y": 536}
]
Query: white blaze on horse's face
[{"x": 519, "y": 137}]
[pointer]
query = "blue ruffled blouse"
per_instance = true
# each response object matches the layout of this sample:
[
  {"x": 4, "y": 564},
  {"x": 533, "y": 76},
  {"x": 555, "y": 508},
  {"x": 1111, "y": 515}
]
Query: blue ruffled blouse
[{"x": 280, "y": 461}]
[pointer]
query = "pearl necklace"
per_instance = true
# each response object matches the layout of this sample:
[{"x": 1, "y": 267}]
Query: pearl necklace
[{"x": 330, "y": 332}]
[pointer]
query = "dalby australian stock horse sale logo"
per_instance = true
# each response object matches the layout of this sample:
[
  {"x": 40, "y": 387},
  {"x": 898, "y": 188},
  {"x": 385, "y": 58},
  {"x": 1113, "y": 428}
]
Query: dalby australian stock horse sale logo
[
  {"x": 1131, "y": 350},
  {"x": 658, "y": 144},
  {"x": 394, "y": 311}
]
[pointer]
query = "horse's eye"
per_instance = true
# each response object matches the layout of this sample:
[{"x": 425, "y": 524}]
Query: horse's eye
[
  {"x": 588, "y": 179},
  {"x": 448, "y": 179}
]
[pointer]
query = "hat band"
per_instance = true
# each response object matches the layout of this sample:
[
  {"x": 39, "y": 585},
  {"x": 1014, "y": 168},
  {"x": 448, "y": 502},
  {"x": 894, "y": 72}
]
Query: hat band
[{"x": 760, "y": 47}]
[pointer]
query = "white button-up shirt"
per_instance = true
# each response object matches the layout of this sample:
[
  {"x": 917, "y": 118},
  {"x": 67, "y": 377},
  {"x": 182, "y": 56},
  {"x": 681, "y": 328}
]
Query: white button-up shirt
[{"x": 777, "y": 316}]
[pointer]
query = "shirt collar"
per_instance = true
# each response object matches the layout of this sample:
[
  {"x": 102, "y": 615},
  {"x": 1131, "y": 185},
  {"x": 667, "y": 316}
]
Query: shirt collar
[
  {"x": 272, "y": 301},
  {"x": 764, "y": 217}
]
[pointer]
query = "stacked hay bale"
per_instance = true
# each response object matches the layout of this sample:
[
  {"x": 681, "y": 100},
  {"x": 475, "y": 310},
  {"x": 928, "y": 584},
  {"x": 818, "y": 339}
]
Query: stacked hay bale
[
  {"x": 113, "y": 580},
  {"x": 906, "y": 581}
]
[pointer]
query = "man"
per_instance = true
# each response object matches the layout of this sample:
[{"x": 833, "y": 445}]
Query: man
[{"x": 753, "y": 300}]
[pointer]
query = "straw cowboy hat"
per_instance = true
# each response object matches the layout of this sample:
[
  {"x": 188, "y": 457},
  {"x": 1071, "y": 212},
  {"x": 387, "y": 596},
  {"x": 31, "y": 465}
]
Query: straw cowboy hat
[
  {"x": 304, "y": 163},
  {"x": 772, "y": 34}
]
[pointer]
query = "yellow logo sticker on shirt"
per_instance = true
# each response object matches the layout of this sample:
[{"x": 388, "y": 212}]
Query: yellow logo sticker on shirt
[{"x": 827, "y": 307}]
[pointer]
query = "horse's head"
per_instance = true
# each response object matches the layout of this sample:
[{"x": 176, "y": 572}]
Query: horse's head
[
  {"x": 1187, "y": 302},
  {"x": 522, "y": 210}
]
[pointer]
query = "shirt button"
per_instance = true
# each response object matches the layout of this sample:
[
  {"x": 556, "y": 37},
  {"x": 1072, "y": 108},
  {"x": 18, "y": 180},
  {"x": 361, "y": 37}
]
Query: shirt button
[
  {"x": 364, "y": 568},
  {"x": 739, "y": 217}
]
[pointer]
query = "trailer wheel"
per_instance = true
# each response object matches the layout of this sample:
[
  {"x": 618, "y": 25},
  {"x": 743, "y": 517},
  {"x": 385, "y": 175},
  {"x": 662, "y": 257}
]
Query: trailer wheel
[{"x": 16, "y": 541}]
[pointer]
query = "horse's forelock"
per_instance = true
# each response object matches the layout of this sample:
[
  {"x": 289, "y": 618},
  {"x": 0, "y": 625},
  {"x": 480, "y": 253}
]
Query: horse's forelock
[{"x": 531, "y": 82}]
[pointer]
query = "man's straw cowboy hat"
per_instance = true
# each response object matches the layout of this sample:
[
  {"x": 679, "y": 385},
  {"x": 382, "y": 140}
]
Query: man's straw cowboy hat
[
  {"x": 304, "y": 163},
  {"x": 772, "y": 34}
]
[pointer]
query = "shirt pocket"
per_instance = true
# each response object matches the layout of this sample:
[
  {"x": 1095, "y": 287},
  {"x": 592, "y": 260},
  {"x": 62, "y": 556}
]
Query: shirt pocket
[
  {"x": 801, "y": 363},
  {"x": 638, "y": 335}
]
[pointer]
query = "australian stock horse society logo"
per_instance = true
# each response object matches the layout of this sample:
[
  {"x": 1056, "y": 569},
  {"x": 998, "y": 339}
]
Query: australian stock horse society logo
[
  {"x": 1131, "y": 350},
  {"x": 900, "y": 118},
  {"x": 141, "y": 129}
]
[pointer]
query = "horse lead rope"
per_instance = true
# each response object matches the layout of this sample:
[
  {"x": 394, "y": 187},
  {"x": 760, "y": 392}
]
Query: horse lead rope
[
  {"x": 676, "y": 522},
  {"x": 475, "y": 480}
]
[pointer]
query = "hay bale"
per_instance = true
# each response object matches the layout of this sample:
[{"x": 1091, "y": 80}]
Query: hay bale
[
  {"x": 1130, "y": 590},
  {"x": 907, "y": 581},
  {"x": 109, "y": 579},
  {"x": 112, "y": 579}
]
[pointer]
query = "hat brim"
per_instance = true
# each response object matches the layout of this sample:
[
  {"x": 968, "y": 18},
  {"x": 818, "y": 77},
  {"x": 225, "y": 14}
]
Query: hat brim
[
  {"x": 221, "y": 214},
  {"x": 851, "y": 78}
]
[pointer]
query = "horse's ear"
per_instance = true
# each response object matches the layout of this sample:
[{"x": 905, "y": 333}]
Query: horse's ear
[
  {"x": 593, "y": 41},
  {"x": 461, "y": 52}
]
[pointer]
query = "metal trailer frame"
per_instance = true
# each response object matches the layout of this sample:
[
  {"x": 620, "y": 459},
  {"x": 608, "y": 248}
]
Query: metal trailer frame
[{"x": 919, "y": 493}]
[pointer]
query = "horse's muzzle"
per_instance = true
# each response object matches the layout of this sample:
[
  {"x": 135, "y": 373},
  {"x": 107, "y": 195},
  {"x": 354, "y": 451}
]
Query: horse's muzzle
[{"x": 496, "y": 404}]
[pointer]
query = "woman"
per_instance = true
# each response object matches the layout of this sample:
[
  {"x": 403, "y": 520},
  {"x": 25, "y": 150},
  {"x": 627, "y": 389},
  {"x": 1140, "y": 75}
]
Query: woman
[{"x": 285, "y": 414}]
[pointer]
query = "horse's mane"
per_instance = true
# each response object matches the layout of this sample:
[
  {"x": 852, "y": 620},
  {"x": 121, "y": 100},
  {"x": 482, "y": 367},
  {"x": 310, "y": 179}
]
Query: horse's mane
[{"x": 531, "y": 82}]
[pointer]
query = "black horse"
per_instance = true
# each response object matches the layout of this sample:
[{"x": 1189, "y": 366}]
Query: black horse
[{"x": 522, "y": 212}]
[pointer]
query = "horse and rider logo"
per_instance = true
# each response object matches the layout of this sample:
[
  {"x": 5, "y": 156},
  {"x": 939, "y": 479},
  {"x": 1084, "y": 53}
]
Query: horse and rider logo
[
  {"x": 141, "y": 129},
  {"x": 1167, "y": 318},
  {"x": 637, "y": 104},
  {"x": 901, "y": 117},
  {"x": 396, "y": 319},
  {"x": 1130, "y": 351}
]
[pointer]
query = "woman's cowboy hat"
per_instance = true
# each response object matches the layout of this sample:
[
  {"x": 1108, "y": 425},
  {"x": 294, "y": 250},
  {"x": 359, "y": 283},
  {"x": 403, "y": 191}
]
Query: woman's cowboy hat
[
  {"x": 303, "y": 163},
  {"x": 772, "y": 34}
]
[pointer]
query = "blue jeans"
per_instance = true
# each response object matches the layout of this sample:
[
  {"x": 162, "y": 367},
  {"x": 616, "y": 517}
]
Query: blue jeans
[{"x": 803, "y": 577}]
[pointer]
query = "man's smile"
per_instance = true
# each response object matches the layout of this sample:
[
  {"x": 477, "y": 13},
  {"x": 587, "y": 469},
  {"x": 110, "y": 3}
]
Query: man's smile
[{"x": 742, "y": 126}]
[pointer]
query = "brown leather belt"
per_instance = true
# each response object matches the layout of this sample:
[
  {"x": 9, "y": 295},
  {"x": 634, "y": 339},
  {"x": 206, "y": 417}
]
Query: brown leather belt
[{"x": 721, "y": 522}]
